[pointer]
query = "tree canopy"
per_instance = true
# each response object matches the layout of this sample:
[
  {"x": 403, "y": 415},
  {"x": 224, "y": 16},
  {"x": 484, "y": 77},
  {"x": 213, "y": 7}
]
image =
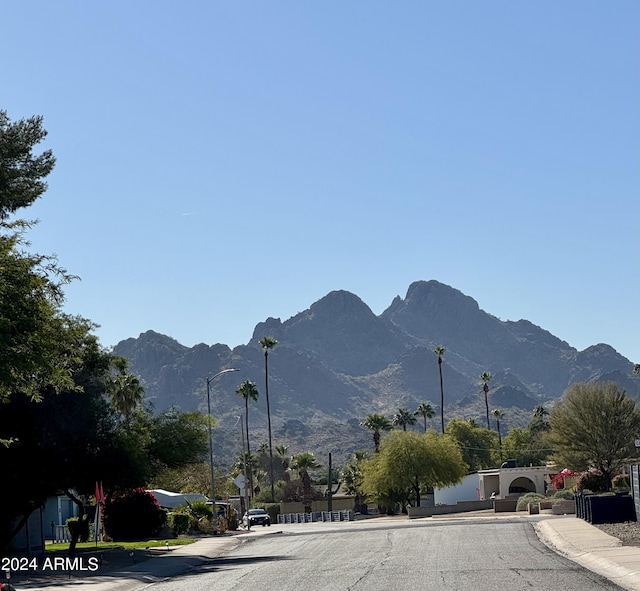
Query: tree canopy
[
  {"x": 595, "y": 425},
  {"x": 35, "y": 351},
  {"x": 476, "y": 443},
  {"x": 21, "y": 172},
  {"x": 71, "y": 411},
  {"x": 404, "y": 418},
  {"x": 410, "y": 462}
]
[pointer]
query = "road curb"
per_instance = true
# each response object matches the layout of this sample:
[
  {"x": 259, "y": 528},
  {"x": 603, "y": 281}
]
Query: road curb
[{"x": 597, "y": 554}]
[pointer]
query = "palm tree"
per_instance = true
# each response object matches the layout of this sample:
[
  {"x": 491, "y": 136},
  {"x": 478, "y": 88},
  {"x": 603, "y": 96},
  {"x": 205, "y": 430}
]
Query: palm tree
[
  {"x": 498, "y": 415},
  {"x": 539, "y": 423},
  {"x": 268, "y": 343},
  {"x": 249, "y": 391},
  {"x": 376, "y": 423},
  {"x": 439, "y": 351},
  {"x": 281, "y": 453},
  {"x": 485, "y": 376},
  {"x": 245, "y": 461},
  {"x": 126, "y": 394},
  {"x": 403, "y": 418},
  {"x": 425, "y": 410},
  {"x": 302, "y": 463}
]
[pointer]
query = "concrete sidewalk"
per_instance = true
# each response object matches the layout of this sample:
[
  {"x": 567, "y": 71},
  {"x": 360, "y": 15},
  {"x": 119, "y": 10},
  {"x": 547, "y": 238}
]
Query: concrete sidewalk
[
  {"x": 571, "y": 537},
  {"x": 592, "y": 548},
  {"x": 178, "y": 561}
]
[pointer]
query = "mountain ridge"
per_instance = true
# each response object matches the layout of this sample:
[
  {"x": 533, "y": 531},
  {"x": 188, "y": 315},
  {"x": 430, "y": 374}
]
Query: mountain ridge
[{"x": 337, "y": 361}]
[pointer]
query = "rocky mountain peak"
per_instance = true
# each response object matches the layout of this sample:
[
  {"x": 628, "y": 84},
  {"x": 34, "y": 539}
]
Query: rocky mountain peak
[{"x": 337, "y": 360}]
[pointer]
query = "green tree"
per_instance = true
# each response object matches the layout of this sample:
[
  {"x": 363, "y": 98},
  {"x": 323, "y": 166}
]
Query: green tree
[
  {"x": 440, "y": 351},
  {"x": 302, "y": 463},
  {"x": 409, "y": 462},
  {"x": 485, "y": 376},
  {"x": 351, "y": 478},
  {"x": 37, "y": 342},
  {"x": 268, "y": 343},
  {"x": 425, "y": 410},
  {"x": 72, "y": 436},
  {"x": 125, "y": 392},
  {"x": 595, "y": 425},
  {"x": 282, "y": 453},
  {"x": 403, "y": 418},
  {"x": 476, "y": 443},
  {"x": 22, "y": 173},
  {"x": 376, "y": 422},
  {"x": 525, "y": 446},
  {"x": 178, "y": 438},
  {"x": 539, "y": 422}
]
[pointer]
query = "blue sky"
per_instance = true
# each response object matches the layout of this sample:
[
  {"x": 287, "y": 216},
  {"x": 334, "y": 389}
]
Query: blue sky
[{"x": 223, "y": 162}]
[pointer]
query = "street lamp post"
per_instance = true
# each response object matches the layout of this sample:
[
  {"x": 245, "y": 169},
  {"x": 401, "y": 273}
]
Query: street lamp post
[{"x": 213, "y": 492}]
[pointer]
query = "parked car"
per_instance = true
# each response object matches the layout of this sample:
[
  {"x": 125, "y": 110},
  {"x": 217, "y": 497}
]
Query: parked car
[{"x": 256, "y": 517}]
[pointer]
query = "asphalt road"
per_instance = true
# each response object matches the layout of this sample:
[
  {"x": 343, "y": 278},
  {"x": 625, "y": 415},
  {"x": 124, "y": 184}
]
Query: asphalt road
[{"x": 471, "y": 556}]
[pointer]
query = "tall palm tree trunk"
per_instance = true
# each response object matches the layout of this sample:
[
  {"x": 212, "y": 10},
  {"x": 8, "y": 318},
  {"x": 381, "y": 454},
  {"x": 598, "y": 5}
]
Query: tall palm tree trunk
[
  {"x": 486, "y": 403},
  {"x": 441, "y": 394},
  {"x": 266, "y": 392},
  {"x": 249, "y": 471}
]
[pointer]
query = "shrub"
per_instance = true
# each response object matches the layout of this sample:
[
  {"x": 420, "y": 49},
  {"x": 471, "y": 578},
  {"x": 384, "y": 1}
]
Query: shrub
[
  {"x": 179, "y": 523},
  {"x": 558, "y": 479},
  {"x": 564, "y": 494},
  {"x": 592, "y": 480},
  {"x": 133, "y": 516},
  {"x": 200, "y": 509},
  {"x": 200, "y": 515},
  {"x": 524, "y": 500},
  {"x": 622, "y": 481},
  {"x": 81, "y": 526}
]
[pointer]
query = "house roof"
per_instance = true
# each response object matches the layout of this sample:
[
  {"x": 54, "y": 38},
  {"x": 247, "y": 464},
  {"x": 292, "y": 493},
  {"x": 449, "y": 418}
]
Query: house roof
[{"x": 171, "y": 500}]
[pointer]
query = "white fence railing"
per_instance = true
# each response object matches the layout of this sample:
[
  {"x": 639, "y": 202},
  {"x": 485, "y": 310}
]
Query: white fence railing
[
  {"x": 317, "y": 516},
  {"x": 60, "y": 534}
]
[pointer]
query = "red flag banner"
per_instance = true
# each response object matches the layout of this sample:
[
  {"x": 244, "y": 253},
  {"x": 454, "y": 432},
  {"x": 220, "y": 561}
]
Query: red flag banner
[{"x": 99, "y": 492}]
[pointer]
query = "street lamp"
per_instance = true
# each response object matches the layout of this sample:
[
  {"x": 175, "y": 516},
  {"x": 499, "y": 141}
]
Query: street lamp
[{"x": 213, "y": 494}]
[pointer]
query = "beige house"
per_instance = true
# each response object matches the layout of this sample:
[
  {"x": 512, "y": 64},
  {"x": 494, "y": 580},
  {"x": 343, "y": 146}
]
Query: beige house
[{"x": 513, "y": 482}]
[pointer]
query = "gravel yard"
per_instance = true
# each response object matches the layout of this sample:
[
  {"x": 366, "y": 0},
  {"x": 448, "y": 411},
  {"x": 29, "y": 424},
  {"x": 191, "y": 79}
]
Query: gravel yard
[{"x": 628, "y": 532}]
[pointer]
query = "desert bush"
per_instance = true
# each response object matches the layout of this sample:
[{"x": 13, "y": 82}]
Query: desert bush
[
  {"x": 564, "y": 494},
  {"x": 622, "y": 481},
  {"x": 179, "y": 523},
  {"x": 200, "y": 509},
  {"x": 200, "y": 515},
  {"x": 524, "y": 500}
]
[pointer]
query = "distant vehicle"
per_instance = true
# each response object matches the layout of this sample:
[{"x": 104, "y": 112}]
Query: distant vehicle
[{"x": 256, "y": 517}]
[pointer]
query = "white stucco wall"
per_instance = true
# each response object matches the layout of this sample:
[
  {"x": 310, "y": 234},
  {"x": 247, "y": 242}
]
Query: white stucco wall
[
  {"x": 467, "y": 490},
  {"x": 507, "y": 476}
]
